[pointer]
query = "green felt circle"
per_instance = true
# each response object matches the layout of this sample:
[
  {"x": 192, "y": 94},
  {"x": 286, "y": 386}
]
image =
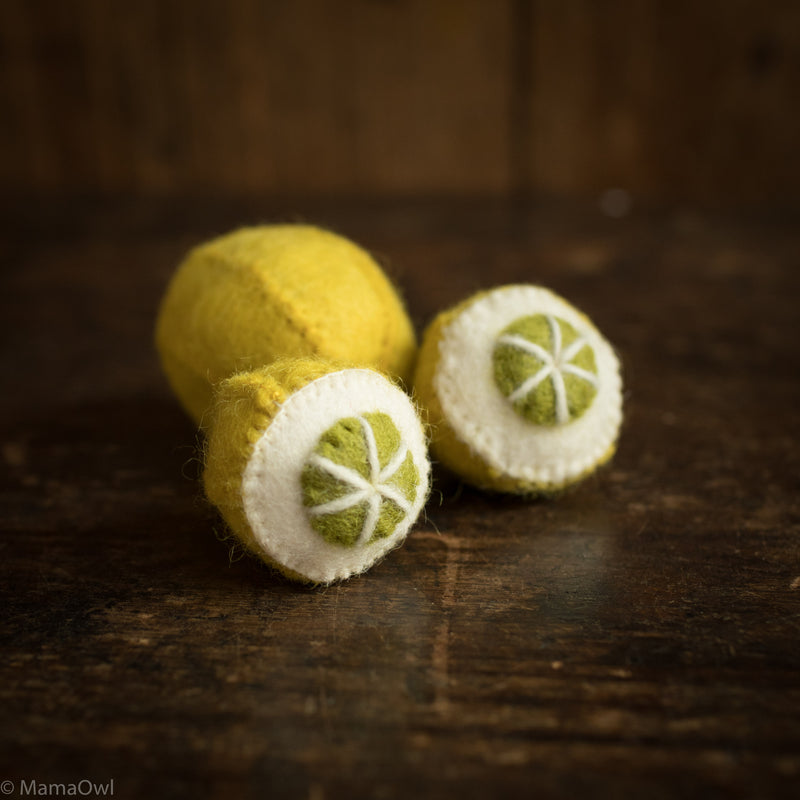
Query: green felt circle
[
  {"x": 552, "y": 382},
  {"x": 371, "y": 490}
]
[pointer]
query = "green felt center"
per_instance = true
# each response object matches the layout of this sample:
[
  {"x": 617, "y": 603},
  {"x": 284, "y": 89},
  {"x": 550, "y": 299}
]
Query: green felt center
[
  {"x": 360, "y": 481},
  {"x": 546, "y": 369}
]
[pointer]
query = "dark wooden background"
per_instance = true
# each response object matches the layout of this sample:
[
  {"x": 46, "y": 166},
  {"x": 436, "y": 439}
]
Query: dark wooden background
[
  {"x": 638, "y": 636},
  {"x": 665, "y": 99}
]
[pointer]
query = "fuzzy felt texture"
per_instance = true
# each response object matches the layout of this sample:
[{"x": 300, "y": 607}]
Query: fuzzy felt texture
[
  {"x": 274, "y": 427},
  {"x": 478, "y": 430},
  {"x": 245, "y": 299},
  {"x": 545, "y": 369},
  {"x": 360, "y": 481}
]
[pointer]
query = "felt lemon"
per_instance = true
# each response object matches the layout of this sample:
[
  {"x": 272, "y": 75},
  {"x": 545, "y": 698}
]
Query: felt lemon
[
  {"x": 318, "y": 469},
  {"x": 523, "y": 393},
  {"x": 257, "y": 294}
]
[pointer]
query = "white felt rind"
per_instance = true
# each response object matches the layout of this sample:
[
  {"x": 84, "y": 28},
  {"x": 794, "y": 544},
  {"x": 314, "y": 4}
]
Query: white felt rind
[
  {"x": 271, "y": 486},
  {"x": 485, "y": 420}
]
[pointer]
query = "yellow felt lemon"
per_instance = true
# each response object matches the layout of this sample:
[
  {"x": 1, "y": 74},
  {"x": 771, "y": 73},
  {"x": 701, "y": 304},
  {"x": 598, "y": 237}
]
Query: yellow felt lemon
[
  {"x": 319, "y": 469},
  {"x": 241, "y": 301},
  {"x": 523, "y": 393}
]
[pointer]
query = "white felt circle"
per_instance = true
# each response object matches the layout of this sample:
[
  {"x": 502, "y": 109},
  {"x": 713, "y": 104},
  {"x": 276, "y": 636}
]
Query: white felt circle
[
  {"x": 271, "y": 485},
  {"x": 485, "y": 420}
]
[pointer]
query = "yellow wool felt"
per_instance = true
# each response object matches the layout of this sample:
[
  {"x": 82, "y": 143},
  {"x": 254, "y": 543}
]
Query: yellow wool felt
[
  {"x": 243, "y": 408},
  {"x": 477, "y": 429},
  {"x": 245, "y": 299},
  {"x": 318, "y": 468}
]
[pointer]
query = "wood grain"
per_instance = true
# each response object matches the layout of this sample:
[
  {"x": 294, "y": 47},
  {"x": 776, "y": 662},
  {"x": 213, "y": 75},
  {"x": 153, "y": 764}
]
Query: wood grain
[
  {"x": 678, "y": 101},
  {"x": 671, "y": 100},
  {"x": 637, "y": 636},
  {"x": 309, "y": 96}
]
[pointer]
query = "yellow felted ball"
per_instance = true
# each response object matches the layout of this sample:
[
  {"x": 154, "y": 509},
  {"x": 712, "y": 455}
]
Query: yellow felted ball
[
  {"x": 318, "y": 469},
  {"x": 241, "y": 301},
  {"x": 523, "y": 393}
]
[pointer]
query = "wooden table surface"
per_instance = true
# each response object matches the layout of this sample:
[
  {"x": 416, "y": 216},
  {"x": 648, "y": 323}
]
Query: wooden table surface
[{"x": 638, "y": 636}]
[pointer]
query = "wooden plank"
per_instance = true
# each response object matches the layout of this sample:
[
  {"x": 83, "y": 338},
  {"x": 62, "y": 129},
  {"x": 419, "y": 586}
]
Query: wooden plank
[
  {"x": 670, "y": 100},
  {"x": 433, "y": 96},
  {"x": 311, "y": 96}
]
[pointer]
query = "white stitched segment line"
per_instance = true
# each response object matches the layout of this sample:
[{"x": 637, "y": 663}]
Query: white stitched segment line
[
  {"x": 394, "y": 464},
  {"x": 536, "y": 350},
  {"x": 531, "y": 383},
  {"x": 372, "y": 450},
  {"x": 344, "y": 474},
  {"x": 580, "y": 373},
  {"x": 373, "y": 491},
  {"x": 562, "y": 410},
  {"x": 371, "y": 520},
  {"x": 555, "y": 336},
  {"x": 572, "y": 349},
  {"x": 554, "y": 364},
  {"x": 391, "y": 493},
  {"x": 341, "y": 503}
]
